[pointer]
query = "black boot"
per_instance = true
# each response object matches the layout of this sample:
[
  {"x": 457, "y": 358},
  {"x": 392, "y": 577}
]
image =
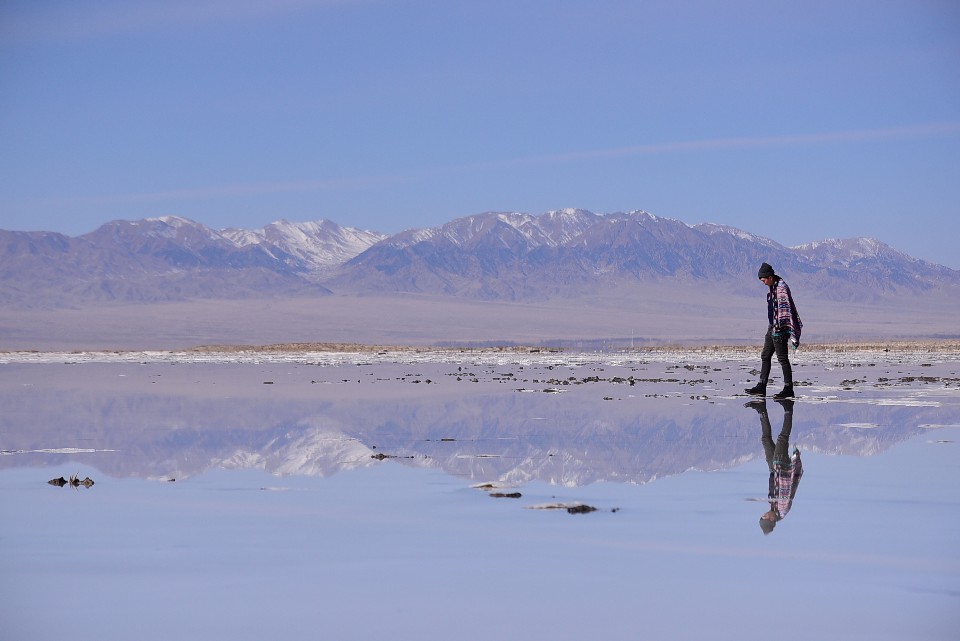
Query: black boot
[
  {"x": 786, "y": 404},
  {"x": 786, "y": 392},
  {"x": 758, "y": 404},
  {"x": 760, "y": 389}
]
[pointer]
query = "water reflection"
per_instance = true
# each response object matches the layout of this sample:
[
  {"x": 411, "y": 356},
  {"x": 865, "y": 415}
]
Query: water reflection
[
  {"x": 425, "y": 551},
  {"x": 504, "y": 433},
  {"x": 786, "y": 469}
]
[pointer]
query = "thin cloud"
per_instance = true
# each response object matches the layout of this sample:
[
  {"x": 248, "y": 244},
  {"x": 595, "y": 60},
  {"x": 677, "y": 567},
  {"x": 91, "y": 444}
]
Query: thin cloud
[
  {"x": 723, "y": 144},
  {"x": 944, "y": 129}
]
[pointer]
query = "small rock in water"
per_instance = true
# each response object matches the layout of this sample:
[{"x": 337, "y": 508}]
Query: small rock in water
[{"x": 581, "y": 509}]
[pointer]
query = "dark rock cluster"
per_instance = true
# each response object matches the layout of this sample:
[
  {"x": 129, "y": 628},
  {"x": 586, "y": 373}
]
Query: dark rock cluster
[{"x": 73, "y": 481}]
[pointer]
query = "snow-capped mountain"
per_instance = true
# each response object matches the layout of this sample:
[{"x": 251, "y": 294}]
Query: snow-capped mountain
[
  {"x": 850, "y": 251},
  {"x": 503, "y": 256},
  {"x": 514, "y": 256},
  {"x": 172, "y": 258},
  {"x": 311, "y": 248}
]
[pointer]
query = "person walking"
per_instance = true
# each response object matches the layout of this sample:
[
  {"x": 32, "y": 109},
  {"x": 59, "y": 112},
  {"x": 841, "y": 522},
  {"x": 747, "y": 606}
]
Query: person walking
[{"x": 783, "y": 328}]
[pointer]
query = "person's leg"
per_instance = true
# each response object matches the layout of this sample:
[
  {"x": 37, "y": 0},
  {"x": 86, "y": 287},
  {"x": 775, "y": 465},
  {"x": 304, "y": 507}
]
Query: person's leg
[
  {"x": 766, "y": 438},
  {"x": 766, "y": 357},
  {"x": 782, "y": 348},
  {"x": 781, "y": 452}
]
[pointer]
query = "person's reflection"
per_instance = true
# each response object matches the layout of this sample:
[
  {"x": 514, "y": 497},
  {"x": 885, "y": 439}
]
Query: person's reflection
[{"x": 785, "y": 470}]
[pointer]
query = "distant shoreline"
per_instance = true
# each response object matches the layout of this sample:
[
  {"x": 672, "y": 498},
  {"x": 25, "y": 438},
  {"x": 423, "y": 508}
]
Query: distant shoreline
[
  {"x": 945, "y": 346},
  {"x": 865, "y": 346}
]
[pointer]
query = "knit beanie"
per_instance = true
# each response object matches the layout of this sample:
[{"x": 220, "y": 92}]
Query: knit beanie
[
  {"x": 765, "y": 271},
  {"x": 767, "y": 525}
]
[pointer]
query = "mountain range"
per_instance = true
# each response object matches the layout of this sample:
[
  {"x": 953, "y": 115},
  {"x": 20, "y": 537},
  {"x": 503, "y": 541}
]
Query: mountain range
[
  {"x": 492, "y": 256},
  {"x": 567, "y": 276}
]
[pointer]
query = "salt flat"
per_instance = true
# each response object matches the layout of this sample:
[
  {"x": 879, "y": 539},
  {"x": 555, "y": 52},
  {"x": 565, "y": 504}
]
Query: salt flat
[{"x": 390, "y": 491}]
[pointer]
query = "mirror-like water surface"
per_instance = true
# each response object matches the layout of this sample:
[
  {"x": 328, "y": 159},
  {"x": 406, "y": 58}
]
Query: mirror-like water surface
[{"x": 470, "y": 496}]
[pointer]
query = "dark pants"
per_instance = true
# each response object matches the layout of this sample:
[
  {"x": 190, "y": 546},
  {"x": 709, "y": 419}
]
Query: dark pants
[
  {"x": 779, "y": 345},
  {"x": 778, "y": 452}
]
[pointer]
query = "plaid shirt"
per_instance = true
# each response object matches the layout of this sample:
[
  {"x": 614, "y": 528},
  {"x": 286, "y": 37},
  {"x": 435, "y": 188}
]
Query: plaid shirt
[
  {"x": 784, "y": 481},
  {"x": 782, "y": 311}
]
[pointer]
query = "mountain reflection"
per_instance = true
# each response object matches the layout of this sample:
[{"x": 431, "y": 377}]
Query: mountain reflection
[{"x": 508, "y": 436}]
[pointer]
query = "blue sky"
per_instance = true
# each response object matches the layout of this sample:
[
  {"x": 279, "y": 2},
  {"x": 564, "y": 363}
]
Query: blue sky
[{"x": 794, "y": 120}]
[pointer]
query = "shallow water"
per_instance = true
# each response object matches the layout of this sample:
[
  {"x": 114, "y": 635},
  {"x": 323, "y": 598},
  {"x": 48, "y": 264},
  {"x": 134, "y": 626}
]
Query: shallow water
[{"x": 337, "y": 496}]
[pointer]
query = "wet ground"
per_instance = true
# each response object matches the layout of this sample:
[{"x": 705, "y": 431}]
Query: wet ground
[{"x": 448, "y": 495}]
